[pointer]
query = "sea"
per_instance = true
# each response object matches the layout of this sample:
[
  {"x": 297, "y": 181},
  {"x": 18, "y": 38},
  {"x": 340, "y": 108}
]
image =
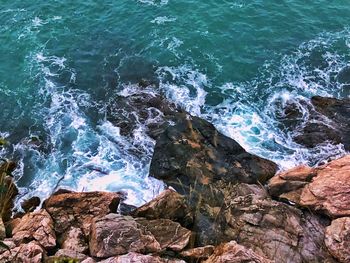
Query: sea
[{"x": 235, "y": 63}]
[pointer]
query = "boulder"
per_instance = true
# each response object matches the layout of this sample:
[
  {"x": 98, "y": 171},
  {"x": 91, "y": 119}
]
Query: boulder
[
  {"x": 168, "y": 205},
  {"x": 74, "y": 240},
  {"x": 30, "y": 204},
  {"x": 324, "y": 189},
  {"x": 337, "y": 239},
  {"x": 235, "y": 253},
  {"x": 198, "y": 253},
  {"x": 193, "y": 152},
  {"x": 169, "y": 234},
  {"x": 78, "y": 209},
  {"x": 36, "y": 226},
  {"x": 115, "y": 234},
  {"x": 31, "y": 252},
  {"x": 133, "y": 257}
]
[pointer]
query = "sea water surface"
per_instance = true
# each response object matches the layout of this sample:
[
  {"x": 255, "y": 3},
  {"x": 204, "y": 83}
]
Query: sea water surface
[{"x": 233, "y": 62}]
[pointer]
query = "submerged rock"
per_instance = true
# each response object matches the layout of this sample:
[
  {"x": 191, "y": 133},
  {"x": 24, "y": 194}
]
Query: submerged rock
[
  {"x": 193, "y": 152},
  {"x": 78, "y": 209},
  {"x": 324, "y": 189},
  {"x": 338, "y": 239}
]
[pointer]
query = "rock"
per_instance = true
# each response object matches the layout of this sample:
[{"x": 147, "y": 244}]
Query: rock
[
  {"x": 74, "y": 240},
  {"x": 329, "y": 121},
  {"x": 133, "y": 257},
  {"x": 30, "y": 204},
  {"x": 88, "y": 260},
  {"x": 8, "y": 187},
  {"x": 337, "y": 239},
  {"x": 323, "y": 189},
  {"x": 169, "y": 234},
  {"x": 71, "y": 254},
  {"x": 270, "y": 228},
  {"x": 9, "y": 243},
  {"x": 198, "y": 253},
  {"x": 31, "y": 252},
  {"x": 193, "y": 152},
  {"x": 235, "y": 253},
  {"x": 168, "y": 205},
  {"x": 36, "y": 226},
  {"x": 2, "y": 229},
  {"x": 115, "y": 234},
  {"x": 78, "y": 209}
]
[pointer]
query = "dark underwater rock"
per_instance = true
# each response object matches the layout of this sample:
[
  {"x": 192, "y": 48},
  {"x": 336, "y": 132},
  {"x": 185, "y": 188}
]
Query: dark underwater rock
[{"x": 193, "y": 152}]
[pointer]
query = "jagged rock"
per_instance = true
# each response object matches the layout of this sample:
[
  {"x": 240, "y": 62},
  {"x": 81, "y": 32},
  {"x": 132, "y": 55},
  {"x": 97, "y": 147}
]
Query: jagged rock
[
  {"x": 169, "y": 234},
  {"x": 66, "y": 253},
  {"x": 9, "y": 243},
  {"x": 198, "y": 253},
  {"x": 74, "y": 240},
  {"x": 78, "y": 209},
  {"x": 324, "y": 189},
  {"x": 30, "y": 204},
  {"x": 193, "y": 152},
  {"x": 235, "y": 253},
  {"x": 137, "y": 258},
  {"x": 31, "y": 252},
  {"x": 35, "y": 226},
  {"x": 338, "y": 239},
  {"x": 328, "y": 121},
  {"x": 168, "y": 205},
  {"x": 115, "y": 234}
]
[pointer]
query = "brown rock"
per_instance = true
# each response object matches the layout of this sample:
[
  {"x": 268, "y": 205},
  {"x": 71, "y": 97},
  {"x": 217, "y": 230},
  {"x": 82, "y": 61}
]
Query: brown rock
[
  {"x": 78, "y": 209},
  {"x": 88, "y": 260},
  {"x": 169, "y": 234},
  {"x": 324, "y": 189},
  {"x": 74, "y": 240},
  {"x": 2, "y": 229},
  {"x": 133, "y": 257},
  {"x": 115, "y": 234},
  {"x": 168, "y": 205},
  {"x": 338, "y": 239},
  {"x": 198, "y": 252},
  {"x": 35, "y": 226},
  {"x": 27, "y": 253},
  {"x": 235, "y": 253}
]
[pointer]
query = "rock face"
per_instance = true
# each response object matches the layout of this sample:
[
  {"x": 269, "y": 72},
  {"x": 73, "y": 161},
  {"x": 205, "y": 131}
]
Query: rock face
[
  {"x": 168, "y": 205},
  {"x": 78, "y": 209},
  {"x": 114, "y": 235},
  {"x": 194, "y": 152},
  {"x": 338, "y": 239},
  {"x": 234, "y": 253},
  {"x": 36, "y": 226},
  {"x": 324, "y": 189}
]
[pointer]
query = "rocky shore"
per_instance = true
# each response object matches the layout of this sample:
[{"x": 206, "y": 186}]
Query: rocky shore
[{"x": 222, "y": 204}]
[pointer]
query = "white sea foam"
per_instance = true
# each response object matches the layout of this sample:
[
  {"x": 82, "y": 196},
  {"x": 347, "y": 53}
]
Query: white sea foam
[{"x": 162, "y": 20}]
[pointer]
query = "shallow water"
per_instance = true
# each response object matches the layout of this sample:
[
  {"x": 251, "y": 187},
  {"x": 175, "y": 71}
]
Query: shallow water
[{"x": 235, "y": 63}]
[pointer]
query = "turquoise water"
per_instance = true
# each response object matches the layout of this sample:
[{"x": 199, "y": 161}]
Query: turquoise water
[{"x": 235, "y": 63}]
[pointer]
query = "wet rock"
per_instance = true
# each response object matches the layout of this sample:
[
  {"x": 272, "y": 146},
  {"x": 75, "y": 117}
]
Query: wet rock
[
  {"x": 70, "y": 254},
  {"x": 193, "y": 152},
  {"x": 235, "y": 253},
  {"x": 30, "y": 204},
  {"x": 324, "y": 189},
  {"x": 169, "y": 234},
  {"x": 74, "y": 240},
  {"x": 329, "y": 121},
  {"x": 31, "y": 252},
  {"x": 136, "y": 258},
  {"x": 198, "y": 253},
  {"x": 338, "y": 239},
  {"x": 168, "y": 205},
  {"x": 36, "y": 226},
  {"x": 78, "y": 209},
  {"x": 115, "y": 234}
]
